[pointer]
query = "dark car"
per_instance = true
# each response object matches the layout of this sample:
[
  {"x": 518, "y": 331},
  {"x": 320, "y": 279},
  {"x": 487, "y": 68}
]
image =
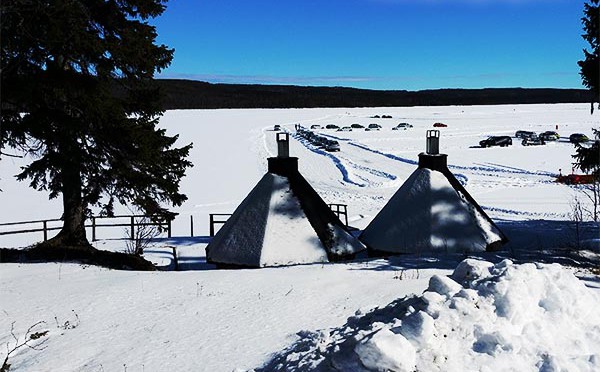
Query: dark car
[
  {"x": 533, "y": 141},
  {"x": 502, "y": 141},
  {"x": 524, "y": 134},
  {"x": 331, "y": 126},
  {"x": 578, "y": 138},
  {"x": 550, "y": 136},
  {"x": 357, "y": 126},
  {"x": 373, "y": 127},
  {"x": 332, "y": 146},
  {"x": 439, "y": 125},
  {"x": 315, "y": 126}
]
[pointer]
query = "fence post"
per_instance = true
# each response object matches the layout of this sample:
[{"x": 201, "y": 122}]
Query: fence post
[
  {"x": 169, "y": 228},
  {"x": 93, "y": 229},
  {"x": 191, "y": 226},
  {"x": 175, "y": 258},
  {"x": 132, "y": 228},
  {"x": 346, "y": 214},
  {"x": 45, "y": 230},
  {"x": 211, "y": 226}
]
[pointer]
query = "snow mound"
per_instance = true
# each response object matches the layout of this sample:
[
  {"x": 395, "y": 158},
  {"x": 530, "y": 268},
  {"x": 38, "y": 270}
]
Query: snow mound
[{"x": 488, "y": 317}]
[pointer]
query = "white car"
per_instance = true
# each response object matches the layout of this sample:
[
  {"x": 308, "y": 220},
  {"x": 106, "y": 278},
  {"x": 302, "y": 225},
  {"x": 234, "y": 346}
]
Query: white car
[{"x": 403, "y": 126}]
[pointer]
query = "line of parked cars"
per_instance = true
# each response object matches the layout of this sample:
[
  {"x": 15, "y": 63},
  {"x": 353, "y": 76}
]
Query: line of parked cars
[
  {"x": 319, "y": 141},
  {"x": 529, "y": 138},
  {"x": 370, "y": 127}
]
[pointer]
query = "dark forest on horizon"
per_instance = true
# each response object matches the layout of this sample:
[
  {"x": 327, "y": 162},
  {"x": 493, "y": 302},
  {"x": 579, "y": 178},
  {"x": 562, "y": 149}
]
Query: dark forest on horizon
[{"x": 191, "y": 94}]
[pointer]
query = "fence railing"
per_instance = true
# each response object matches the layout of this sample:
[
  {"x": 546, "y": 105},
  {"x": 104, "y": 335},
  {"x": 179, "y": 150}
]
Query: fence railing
[
  {"x": 136, "y": 221},
  {"x": 130, "y": 221},
  {"x": 340, "y": 210},
  {"x": 212, "y": 221},
  {"x": 44, "y": 227}
]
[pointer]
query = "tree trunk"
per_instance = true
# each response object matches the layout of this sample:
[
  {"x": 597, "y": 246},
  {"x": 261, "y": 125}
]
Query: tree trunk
[{"x": 73, "y": 232}]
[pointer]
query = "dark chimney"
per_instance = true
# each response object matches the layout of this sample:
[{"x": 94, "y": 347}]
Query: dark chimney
[
  {"x": 283, "y": 164},
  {"x": 431, "y": 158}
]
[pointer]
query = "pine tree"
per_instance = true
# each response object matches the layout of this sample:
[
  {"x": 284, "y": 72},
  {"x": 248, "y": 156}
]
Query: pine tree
[
  {"x": 590, "y": 66},
  {"x": 78, "y": 98}
]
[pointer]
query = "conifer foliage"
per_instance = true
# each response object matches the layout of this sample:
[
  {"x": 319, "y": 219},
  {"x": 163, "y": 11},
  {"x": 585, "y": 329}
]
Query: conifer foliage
[
  {"x": 78, "y": 99},
  {"x": 590, "y": 66}
]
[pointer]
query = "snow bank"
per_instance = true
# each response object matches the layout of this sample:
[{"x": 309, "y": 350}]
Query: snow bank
[{"x": 487, "y": 317}]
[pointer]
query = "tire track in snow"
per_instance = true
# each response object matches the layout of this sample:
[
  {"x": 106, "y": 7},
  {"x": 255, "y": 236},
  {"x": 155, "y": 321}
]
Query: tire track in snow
[
  {"x": 336, "y": 161},
  {"x": 345, "y": 165},
  {"x": 525, "y": 213},
  {"x": 459, "y": 176},
  {"x": 463, "y": 179}
]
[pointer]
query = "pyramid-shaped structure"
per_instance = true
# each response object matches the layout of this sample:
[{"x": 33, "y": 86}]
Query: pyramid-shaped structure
[
  {"x": 282, "y": 221},
  {"x": 432, "y": 212}
]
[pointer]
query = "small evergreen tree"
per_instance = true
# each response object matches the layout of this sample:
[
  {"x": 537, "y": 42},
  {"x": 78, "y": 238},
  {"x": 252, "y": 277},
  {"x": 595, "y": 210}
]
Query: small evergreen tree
[
  {"x": 590, "y": 66},
  {"x": 78, "y": 99}
]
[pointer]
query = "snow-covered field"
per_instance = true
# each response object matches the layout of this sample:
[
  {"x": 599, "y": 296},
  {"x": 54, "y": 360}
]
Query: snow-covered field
[{"x": 219, "y": 320}]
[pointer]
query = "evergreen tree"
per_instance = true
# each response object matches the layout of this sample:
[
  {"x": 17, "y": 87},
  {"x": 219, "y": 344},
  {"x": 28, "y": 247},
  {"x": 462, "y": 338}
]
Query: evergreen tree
[
  {"x": 590, "y": 66},
  {"x": 78, "y": 99},
  {"x": 588, "y": 157}
]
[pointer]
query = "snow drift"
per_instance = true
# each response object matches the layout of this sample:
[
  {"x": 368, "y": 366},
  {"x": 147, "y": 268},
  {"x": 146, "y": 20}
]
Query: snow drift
[{"x": 487, "y": 317}]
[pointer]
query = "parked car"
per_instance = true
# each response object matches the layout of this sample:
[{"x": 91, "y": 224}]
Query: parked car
[
  {"x": 439, "y": 125},
  {"x": 533, "y": 141},
  {"x": 502, "y": 141},
  {"x": 345, "y": 129},
  {"x": 386, "y": 116},
  {"x": 524, "y": 134},
  {"x": 332, "y": 146},
  {"x": 550, "y": 136},
  {"x": 403, "y": 126},
  {"x": 373, "y": 126},
  {"x": 578, "y": 138},
  {"x": 315, "y": 126},
  {"x": 357, "y": 126},
  {"x": 277, "y": 127},
  {"x": 331, "y": 126}
]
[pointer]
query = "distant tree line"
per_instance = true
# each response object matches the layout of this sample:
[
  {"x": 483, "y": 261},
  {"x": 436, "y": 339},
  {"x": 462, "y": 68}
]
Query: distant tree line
[{"x": 190, "y": 94}]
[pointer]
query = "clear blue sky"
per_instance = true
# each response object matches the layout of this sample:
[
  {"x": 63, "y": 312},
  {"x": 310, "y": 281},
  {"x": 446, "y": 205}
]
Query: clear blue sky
[{"x": 376, "y": 44}]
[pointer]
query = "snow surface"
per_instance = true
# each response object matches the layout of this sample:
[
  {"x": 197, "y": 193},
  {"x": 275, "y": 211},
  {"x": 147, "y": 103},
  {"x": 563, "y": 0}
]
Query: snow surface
[
  {"x": 486, "y": 317},
  {"x": 201, "y": 319},
  {"x": 515, "y": 183},
  {"x": 427, "y": 214}
]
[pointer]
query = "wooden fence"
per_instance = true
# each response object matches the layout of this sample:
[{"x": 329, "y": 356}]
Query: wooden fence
[
  {"x": 130, "y": 221},
  {"x": 214, "y": 219}
]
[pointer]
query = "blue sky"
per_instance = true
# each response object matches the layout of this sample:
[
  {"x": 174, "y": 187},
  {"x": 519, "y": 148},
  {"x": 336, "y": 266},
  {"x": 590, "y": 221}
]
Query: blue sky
[{"x": 376, "y": 44}]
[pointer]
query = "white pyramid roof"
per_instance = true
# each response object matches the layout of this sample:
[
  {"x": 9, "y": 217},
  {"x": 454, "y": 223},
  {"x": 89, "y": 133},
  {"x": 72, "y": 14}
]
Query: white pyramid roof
[
  {"x": 427, "y": 214},
  {"x": 270, "y": 228}
]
